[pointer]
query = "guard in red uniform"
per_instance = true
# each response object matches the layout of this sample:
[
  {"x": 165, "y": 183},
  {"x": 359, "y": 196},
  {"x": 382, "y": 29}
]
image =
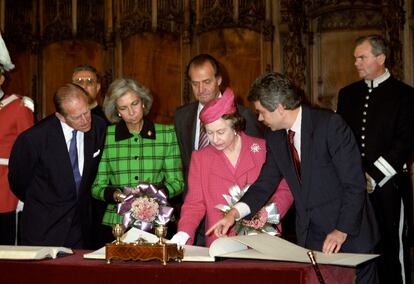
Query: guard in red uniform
[{"x": 16, "y": 115}]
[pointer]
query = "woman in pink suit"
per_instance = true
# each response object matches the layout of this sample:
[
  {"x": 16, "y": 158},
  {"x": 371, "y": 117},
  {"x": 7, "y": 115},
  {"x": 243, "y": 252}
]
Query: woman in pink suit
[{"x": 231, "y": 158}]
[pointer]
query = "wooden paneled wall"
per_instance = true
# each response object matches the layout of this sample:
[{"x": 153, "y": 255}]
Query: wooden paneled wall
[{"x": 152, "y": 41}]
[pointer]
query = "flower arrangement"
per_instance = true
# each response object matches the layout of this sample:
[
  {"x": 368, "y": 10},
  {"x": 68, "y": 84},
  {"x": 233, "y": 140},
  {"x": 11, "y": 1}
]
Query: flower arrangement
[
  {"x": 144, "y": 206},
  {"x": 145, "y": 209},
  {"x": 262, "y": 222}
]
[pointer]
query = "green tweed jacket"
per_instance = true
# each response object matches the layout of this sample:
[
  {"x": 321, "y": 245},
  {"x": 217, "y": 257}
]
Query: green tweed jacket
[{"x": 151, "y": 156}]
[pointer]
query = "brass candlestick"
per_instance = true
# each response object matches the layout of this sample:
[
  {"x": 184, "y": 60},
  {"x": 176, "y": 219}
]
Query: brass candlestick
[
  {"x": 161, "y": 232},
  {"x": 118, "y": 230}
]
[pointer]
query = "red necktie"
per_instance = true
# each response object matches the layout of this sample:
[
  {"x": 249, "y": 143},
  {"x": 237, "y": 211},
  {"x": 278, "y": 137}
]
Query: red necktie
[
  {"x": 202, "y": 139},
  {"x": 294, "y": 153}
]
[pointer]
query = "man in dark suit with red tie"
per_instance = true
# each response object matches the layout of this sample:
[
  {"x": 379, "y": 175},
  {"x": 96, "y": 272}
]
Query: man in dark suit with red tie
[
  {"x": 333, "y": 213},
  {"x": 52, "y": 166}
]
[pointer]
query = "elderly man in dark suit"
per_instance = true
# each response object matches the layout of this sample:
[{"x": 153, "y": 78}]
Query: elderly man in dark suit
[
  {"x": 316, "y": 152},
  {"x": 203, "y": 72},
  {"x": 51, "y": 169}
]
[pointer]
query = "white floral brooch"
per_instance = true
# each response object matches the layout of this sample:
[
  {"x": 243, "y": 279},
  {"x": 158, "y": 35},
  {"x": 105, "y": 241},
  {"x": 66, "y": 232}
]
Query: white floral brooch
[{"x": 255, "y": 148}]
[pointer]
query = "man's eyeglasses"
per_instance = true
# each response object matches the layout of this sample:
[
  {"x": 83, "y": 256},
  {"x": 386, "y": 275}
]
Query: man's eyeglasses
[{"x": 84, "y": 81}]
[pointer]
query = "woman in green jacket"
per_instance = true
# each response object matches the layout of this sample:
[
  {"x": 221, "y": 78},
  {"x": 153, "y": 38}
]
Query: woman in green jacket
[{"x": 136, "y": 150}]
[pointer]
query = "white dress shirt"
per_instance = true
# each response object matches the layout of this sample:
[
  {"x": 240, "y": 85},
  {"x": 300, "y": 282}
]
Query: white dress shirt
[{"x": 67, "y": 132}]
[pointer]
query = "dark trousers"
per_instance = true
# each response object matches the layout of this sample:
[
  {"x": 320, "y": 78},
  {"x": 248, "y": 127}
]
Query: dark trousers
[
  {"x": 101, "y": 234},
  {"x": 7, "y": 228},
  {"x": 367, "y": 273},
  {"x": 386, "y": 201}
]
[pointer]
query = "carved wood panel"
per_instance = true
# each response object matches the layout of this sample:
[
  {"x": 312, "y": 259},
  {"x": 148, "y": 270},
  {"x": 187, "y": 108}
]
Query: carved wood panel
[
  {"x": 154, "y": 60},
  {"x": 333, "y": 28},
  {"x": 59, "y": 60},
  {"x": 304, "y": 48},
  {"x": 238, "y": 50}
]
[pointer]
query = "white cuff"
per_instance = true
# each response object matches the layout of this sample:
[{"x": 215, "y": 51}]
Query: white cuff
[
  {"x": 387, "y": 170},
  {"x": 243, "y": 210},
  {"x": 180, "y": 238}
]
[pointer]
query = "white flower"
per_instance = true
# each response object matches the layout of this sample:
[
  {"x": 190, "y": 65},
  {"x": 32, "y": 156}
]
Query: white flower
[
  {"x": 262, "y": 222},
  {"x": 255, "y": 148}
]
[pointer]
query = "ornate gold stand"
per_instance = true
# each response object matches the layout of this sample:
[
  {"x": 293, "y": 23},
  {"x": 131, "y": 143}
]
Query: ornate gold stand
[{"x": 142, "y": 250}]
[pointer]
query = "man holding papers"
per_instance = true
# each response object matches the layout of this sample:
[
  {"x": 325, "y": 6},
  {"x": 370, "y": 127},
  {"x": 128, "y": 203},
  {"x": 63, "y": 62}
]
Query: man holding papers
[{"x": 322, "y": 166}]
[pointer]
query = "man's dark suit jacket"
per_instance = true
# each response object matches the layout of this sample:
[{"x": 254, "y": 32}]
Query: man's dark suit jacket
[
  {"x": 185, "y": 121},
  {"x": 40, "y": 174},
  {"x": 332, "y": 194},
  {"x": 98, "y": 111}
]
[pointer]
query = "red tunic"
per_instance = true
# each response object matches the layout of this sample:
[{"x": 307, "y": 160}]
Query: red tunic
[{"x": 16, "y": 115}]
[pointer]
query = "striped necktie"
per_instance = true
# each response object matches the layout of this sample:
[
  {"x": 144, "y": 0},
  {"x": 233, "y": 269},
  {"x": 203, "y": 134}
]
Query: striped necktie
[{"x": 202, "y": 139}]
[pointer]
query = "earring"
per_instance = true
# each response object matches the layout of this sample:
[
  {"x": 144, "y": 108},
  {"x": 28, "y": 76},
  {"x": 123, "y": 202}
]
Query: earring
[{"x": 119, "y": 114}]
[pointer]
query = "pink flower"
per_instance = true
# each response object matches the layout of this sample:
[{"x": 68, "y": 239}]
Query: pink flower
[
  {"x": 258, "y": 220},
  {"x": 145, "y": 209}
]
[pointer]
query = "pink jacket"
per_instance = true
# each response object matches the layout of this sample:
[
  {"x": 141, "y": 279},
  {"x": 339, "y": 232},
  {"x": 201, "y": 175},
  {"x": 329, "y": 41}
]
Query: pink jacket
[{"x": 211, "y": 175}]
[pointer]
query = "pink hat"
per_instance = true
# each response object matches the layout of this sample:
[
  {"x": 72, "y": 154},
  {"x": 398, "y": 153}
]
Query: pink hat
[{"x": 218, "y": 107}]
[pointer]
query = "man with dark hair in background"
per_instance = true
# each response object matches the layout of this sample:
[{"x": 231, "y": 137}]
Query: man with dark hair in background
[
  {"x": 204, "y": 75},
  {"x": 88, "y": 78}
]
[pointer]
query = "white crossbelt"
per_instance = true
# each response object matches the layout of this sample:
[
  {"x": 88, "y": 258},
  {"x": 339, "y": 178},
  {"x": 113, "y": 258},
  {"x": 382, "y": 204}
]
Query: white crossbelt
[
  {"x": 4, "y": 162},
  {"x": 7, "y": 100}
]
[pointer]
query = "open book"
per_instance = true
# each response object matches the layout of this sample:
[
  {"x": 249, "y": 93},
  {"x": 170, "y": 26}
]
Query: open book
[
  {"x": 261, "y": 246},
  {"x": 31, "y": 252}
]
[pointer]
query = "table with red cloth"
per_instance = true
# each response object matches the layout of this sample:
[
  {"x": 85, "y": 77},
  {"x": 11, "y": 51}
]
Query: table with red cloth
[{"x": 75, "y": 269}]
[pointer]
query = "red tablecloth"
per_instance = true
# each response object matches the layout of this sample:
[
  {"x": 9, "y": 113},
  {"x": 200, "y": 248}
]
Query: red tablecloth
[{"x": 74, "y": 269}]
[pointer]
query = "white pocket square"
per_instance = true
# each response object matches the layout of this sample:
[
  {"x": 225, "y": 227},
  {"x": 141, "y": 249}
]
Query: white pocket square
[{"x": 96, "y": 153}]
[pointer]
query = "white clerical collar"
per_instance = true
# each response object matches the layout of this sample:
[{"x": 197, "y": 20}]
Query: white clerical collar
[{"x": 374, "y": 83}]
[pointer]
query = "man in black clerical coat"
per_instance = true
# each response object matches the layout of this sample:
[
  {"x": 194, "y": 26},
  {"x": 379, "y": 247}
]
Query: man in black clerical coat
[{"x": 380, "y": 111}]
